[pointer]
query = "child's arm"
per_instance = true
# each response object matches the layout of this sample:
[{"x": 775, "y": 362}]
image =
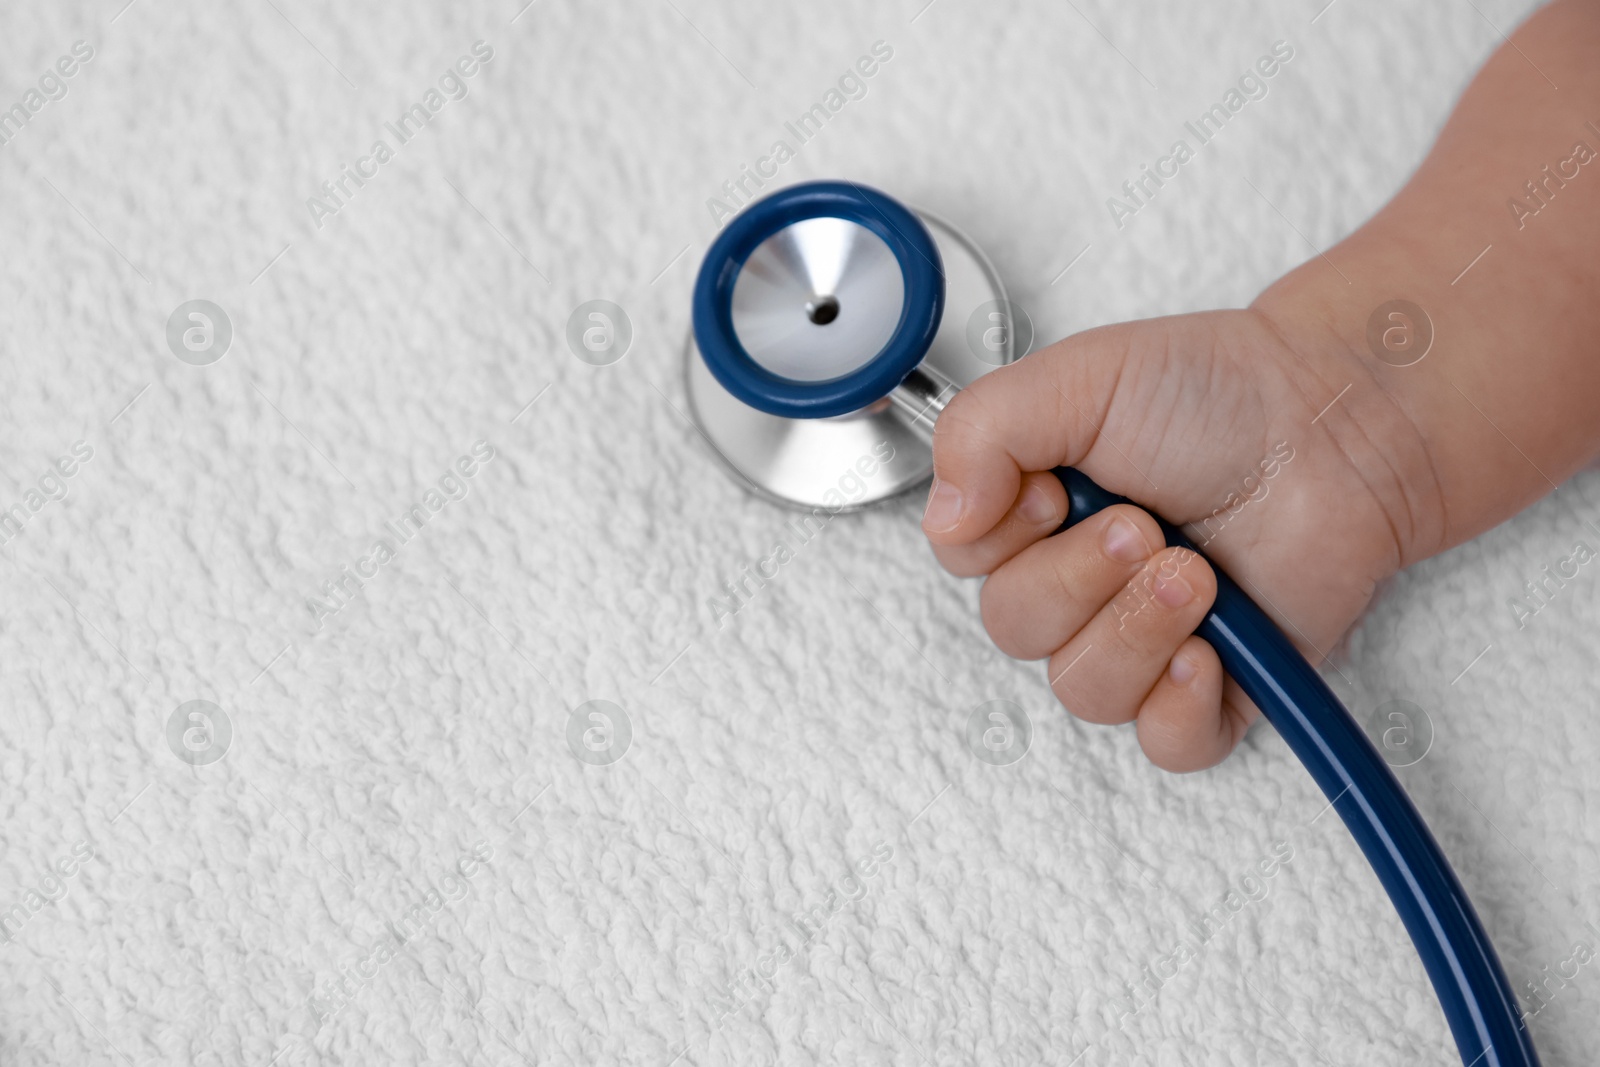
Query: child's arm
[
  {"x": 1307, "y": 462},
  {"x": 1516, "y": 356}
]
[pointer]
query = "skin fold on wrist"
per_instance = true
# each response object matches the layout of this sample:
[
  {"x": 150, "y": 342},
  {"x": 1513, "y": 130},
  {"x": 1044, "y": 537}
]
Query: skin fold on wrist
[{"x": 1501, "y": 305}]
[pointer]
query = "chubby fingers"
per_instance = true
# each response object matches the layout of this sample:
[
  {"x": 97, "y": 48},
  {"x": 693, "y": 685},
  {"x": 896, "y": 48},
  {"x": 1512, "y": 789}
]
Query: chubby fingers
[
  {"x": 1116, "y": 613},
  {"x": 1037, "y": 512},
  {"x": 1034, "y": 603},
  {"x": 1113, "y": 609},
  {"x": 1194, "y": 716},
  {"x": 1104, "y": 672}
]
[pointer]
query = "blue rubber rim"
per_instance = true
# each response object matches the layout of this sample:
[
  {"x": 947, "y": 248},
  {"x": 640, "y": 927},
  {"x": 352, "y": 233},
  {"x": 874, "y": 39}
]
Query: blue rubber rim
[{"x": 920, "y": 267}]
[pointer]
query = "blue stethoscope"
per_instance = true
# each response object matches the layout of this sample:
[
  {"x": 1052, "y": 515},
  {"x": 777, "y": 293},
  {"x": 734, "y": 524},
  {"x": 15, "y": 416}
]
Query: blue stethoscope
[{"x": 830, "y": 319}]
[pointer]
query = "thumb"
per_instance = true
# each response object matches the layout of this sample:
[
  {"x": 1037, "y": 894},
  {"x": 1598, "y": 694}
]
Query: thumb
[{"x": 1041, "y": 412}]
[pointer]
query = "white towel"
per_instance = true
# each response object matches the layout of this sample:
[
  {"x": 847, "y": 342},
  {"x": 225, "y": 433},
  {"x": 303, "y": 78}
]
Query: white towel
[{"x": 399, "y": 856}]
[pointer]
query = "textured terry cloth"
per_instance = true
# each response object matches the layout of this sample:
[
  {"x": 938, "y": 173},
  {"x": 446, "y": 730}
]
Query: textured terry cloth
[{"x": 797, "y": 859}]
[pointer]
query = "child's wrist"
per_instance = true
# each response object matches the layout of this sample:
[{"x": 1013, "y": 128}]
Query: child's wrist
[
  {"x": 1480, "y": 387},
  {"x": 1373, "y": 413}
]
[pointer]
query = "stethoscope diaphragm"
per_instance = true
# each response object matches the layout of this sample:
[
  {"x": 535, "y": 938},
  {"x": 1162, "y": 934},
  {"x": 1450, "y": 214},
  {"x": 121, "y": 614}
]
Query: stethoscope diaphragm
[{"x": 812, "y": 309}]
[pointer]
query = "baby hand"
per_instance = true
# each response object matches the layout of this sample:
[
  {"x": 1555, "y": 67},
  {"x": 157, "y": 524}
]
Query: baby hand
[{"x": 1271, "y": 443}]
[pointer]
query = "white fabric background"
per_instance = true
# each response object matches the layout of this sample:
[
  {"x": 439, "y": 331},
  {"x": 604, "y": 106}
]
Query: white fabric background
[{"x": 768, "y": 756}]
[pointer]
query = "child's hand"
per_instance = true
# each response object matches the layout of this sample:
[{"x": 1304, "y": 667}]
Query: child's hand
[
  {"x": 1392, "y": 459},
  {"x": 1223, "y": 421}
]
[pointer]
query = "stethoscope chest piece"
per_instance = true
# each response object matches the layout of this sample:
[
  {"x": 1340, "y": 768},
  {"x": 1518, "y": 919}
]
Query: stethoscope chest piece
[{"x": 811, "y": 308}]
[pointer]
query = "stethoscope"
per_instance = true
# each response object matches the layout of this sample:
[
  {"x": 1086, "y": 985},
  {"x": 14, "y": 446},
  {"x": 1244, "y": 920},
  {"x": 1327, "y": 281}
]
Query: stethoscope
[{"x": 828, "y": 318}]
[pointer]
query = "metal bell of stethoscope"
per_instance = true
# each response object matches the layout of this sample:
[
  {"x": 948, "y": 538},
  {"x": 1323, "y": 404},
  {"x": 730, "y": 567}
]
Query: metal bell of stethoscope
[
  {"x": 829, "y": 317},
  {"x": 835, "y": 319}
]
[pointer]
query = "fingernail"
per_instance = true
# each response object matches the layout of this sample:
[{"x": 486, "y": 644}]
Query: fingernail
[
  {"x": 1036, "y": 506},
  {"x": 944, "y": 508},
  {"x": 1183, "y": 670},
  {"x": 1124, "y": 543},
  {"x": 1173, "y": 591}
]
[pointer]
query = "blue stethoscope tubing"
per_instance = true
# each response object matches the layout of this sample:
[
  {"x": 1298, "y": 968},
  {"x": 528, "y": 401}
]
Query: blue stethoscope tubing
[
  {"x": 1471, "y": 985},
  {"x": 1459, "y": 958}
]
